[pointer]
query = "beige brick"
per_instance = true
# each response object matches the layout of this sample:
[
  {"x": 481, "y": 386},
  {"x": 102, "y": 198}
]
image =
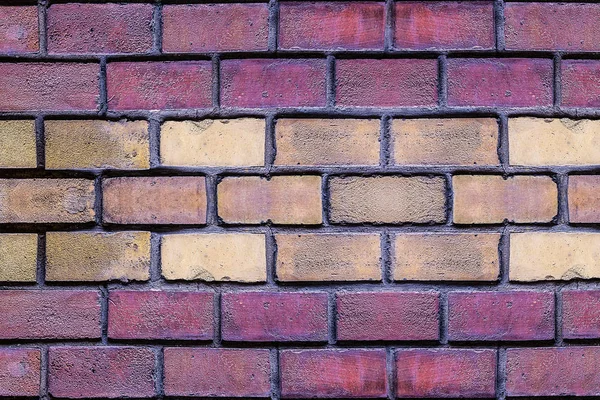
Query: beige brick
[
  {"x": 387, "y": 199},
  {"x": 328, "y": 257},
  {"x": 584, "y": 198},
  {"x": 215, "y": 143},
  {"x": 17, "y": 144},
  {"x": 97, "y": 256},
  {"x": 327, "y": 142},
  {"x": 92, "y": 144},
  {"x": 214, "y": 257},
  {"x": 18, "y": 257}
]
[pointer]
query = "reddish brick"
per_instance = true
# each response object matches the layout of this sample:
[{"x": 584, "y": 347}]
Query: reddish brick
[
  {"x": 444, "y": 25},
  {"x": 580, "y": 84},
  {"x": 19, "y": 29},
  {"x": 49, "y": 314},
  {"x": 20, "y": 372},
  {"x": 386, "y": 83},
  {"x": 445, "y": 373},
  {"x": 331, "y": 26},
  {"x": 159, "y": 85},
  {"x": 273, "y": 83},
  {"x": 160, "y": 315},
  {"x": 94, "y": 372},
  {"x": 333, "y": 373},
  {"x": 215, "y": 27},
  {"x": 388, "y": 316},
  {"x": 279, "y": 317},
  {"x": 584, "y": 199},
  {"x": 99, "y": 28},
  {"x": 501, "y": 316},
  {"x": 211, "y": 372},
  {"x": 506, "y": 82},
  {"x": 581, "y": 314}
]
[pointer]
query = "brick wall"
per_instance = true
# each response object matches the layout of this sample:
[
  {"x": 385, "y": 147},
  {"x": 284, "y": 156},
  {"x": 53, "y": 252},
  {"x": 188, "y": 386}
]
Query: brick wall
[{"x": 299, "y": 199}]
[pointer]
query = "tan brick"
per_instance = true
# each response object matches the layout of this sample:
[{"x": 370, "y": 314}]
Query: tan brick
[
  {"x": 541, "y": 141},
  {"x": 539, "y": 256},
  {"x": 445, "y": 141},
  {"x": 388, "y": 199},
  {"x": 214, "y": 257},
  {"x": 90, "y": 144},
  {"x": 18, "y": 257},
  {"x": 215, "y": 143},
  {"x": 17, "y": 144},
  {"x": 584, "y": 198},
  {"x": 490, "y": 199},
  {"x": 328, "y": 257},
  {"x": 327, "y": 142},
  {"x": 446, "y": 257},
  {"x": 46, "y": 200},
  {"x": 97, "y": 256},
  {"x": 281, "y": 200}
]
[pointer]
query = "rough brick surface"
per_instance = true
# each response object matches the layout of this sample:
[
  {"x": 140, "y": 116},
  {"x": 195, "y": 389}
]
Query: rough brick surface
[
  {"x": 17, "y": 144},
  {"x": 20, "y": 372},
  {"x": 580, "y": 86},
  {"x": 584, "y": 202},
  {"x": 18, "y": 257},
  {"x": 19, "y": 30},
  {"x": 581, "y": 314}
]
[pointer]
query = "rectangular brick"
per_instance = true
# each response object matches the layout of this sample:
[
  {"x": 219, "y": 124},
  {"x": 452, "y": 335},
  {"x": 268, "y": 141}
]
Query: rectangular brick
[
  {"x": 18, "y": 144},
  {"x": 18, "y": 257},
  {"x": 19, "y": 29},
  {"x": 580, "y": 86},
  {"x": 584, "y": 202},
  {"x": 581, "y": 314},
  {"x": 20, "y": 372}
]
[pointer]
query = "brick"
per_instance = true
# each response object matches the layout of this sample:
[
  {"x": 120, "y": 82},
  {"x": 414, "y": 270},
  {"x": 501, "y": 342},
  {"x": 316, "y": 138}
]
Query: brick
[
  {"x": 213, "y": 142},
  {"x": 46, "y": 200},
  {"x": 445, "y": 373},
  {"x": 444, "y": 25},
  {"x": 96, "y": 372},
  {"x": 505, "y": 82},
  {"x": 331, "y": 26},
  {"x": 160, "y": 315},
  {"x": 581, "y": 314},
  {"x": 159, "y": 85},
  {"x": 49, "y": 314},
  {"x": 491, "y": 199},
  {"x": 580, "y": 86},
  {"x": 211, "y": 372},
  {"x": 328, "y": 257},
  {"x": 386, "y": 83},
  {"x": 235, "y": 257},
  {"x": 387, "y": 199},
  {"x": 333, "y": 373},
  {"x": 584, "y": 204},
  {"x": 274, "y": 317},
  {"x": 19, "y": 29},
  {"x": 387, "y": 316},
  {"x": 202, "y": 28},
  {"x": 99, "y": 28},
  {"x": 27, "y": 86},
  {"x": 154, "y": 200},
  {"x": 20, "y": 372},
  {"x": 446, "y": 257},
  {"x": 500, "y": 316},
  {"x": 18, "y": 257},
  {"x": 92, "y": 144},
  {"x": 17, "y": 144},
  {"x": 273, "y": 83},
  {"x": 281, "y": 200},
  {"x": 445, "y": 141},
  {"x": 327, "y": 142}
]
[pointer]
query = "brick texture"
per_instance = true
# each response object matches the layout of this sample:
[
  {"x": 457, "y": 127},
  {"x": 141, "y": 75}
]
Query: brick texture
[
  {"x": 20, "y": 372},
  {"x": 580, "y": 87},
  {"x": 18, "y": 257},
  {"x": 19, "y": 30},
  {"x": 18, "y": 144},
  {"x": 583, "y": 198},
  {"x": 581, "y": 314}
]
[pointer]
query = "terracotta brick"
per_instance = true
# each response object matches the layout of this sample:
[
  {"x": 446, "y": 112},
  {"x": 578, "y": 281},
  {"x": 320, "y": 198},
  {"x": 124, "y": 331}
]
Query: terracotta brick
[
  {"x": 212, "y": 372},
  {"x": 581, "y": 314},
  {"x": 20, "y": 372},
  {"x": 97, "y": 256},
  {"x": 154, "y": 200},
  {"x": 446, "y": 257},
  {"x": 327, "y": 142},
  {"x": 328, "y": 257},
  {"x": 18, "y": 257},
  {"x": 202, "y": 28},
  {"x": 281, "y": 200},
  {"x": 17, "y": 144},
  {"x": 584, "y": 203},
  {"x": 91, "y": 144},
  {"x": 580, "y": 85},
  {"x": 387, "y": 199},
  {"x": 19, "y": 29},
  {"x": 213, "y": 142},
  {"x": 491, "y": 199},
  {"x": 444, "y": 141}
]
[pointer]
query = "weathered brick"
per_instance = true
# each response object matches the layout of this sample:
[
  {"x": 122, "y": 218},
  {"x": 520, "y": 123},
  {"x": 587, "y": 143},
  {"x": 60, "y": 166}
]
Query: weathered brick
[
  {"x": 99, "y": 28},
  {"x": 581, "y": 314},
  {"x": 327, "y": 142},
  {"x": 445, "y": 373},
  {"x": 584, "y": 202},
  {"x": 206, "y": 28},
  {"x": 491, "y": 199},
  {"x": 18, "y": 257},
  {"x": 213, "y": 142},
  {"x": 580, "y": 85},
  {"x": 17, "y": 144},
  {"x": 49, "y": 314},
  {"x": 19, "y": 29},
  {"x": 160, "y": 315},
  {"x": 387, "y": 199},
  {"x": 387, "y": 316},
  {"x": 236, "y": 257},
  {"x": 159, "y": 85},
  {"x": 20, "y": 372},
  {"x": 211, "y": 372},
  {"x": 333, "y": 373},
  {"x": 281, "y": 200},
  {"x": 273, "y": 83},
  {"x": 154, "y": 200}
]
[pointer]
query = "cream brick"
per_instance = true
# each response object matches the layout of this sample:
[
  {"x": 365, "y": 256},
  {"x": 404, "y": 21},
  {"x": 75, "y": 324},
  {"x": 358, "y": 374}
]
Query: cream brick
[
  {"x": 17, "y": 144},
  {"x": 18, "y": 257}
]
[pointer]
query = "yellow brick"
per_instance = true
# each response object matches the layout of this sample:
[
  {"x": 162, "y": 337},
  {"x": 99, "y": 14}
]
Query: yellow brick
[
  {"x": 17, "y": 144},
  {"x": 18, "y": 257}
]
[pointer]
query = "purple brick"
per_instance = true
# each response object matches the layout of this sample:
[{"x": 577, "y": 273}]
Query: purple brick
[
  {"x": 581, "y": 314},
  {"x": 19, "y": 29},
  {"x": 20, "y": 372},
  {"x": 580, "y": 83}
]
